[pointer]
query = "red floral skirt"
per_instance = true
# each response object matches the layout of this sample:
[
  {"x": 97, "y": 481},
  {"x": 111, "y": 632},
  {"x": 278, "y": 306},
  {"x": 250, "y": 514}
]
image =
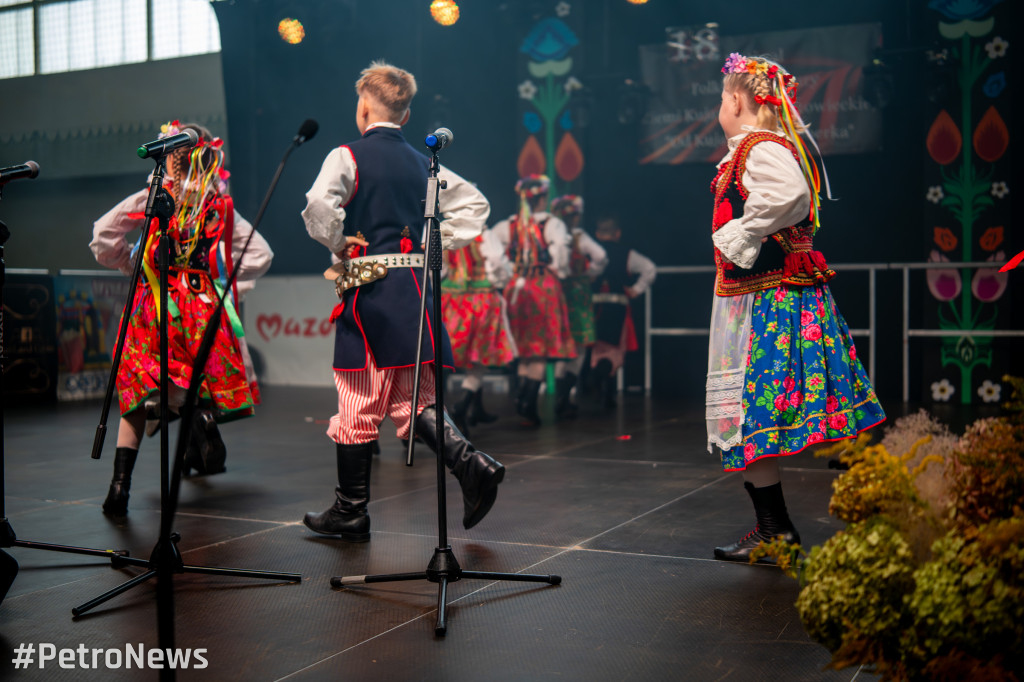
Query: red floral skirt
[
  {"x": 539, "y": 317},
  {"x": 138, "y": 377},
  {"x": 478, "y": 328}
]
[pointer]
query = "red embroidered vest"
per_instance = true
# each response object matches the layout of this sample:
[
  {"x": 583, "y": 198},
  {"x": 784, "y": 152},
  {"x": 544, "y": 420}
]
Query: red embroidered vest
[
  {"x": 527, "y": 248},
  {"x": 788, "y": 257}
]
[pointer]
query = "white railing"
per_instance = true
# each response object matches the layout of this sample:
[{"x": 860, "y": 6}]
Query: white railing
[{"x": 871, "y": 331}]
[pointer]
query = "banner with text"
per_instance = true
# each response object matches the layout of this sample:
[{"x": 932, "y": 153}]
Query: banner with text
[
  {"x": 289, "y": 332},
  {"x": 681, "y": 124}
]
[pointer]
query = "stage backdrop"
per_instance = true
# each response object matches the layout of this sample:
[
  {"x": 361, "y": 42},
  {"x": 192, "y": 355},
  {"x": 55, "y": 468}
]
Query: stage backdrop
[
  {"x": 685, "y": 78},
  {"x": 550, "y": 57},
  {"x": 289, "y": 332},
  {"x": 967, "y": 203}
]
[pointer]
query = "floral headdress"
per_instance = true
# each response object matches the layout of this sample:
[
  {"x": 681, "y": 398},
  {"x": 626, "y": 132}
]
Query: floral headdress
[
  {"x": 532, "y": 185},
  {"x": 567, "y": 205},
  {"x": 206, "y": 162},
  {"x": 200, "y": 201},
  {"x": 782, "y": 87},
  {"x": 528, "y": 187}
]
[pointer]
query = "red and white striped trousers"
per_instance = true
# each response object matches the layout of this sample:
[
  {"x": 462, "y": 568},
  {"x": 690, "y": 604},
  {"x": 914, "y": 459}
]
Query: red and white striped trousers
[{"x": 366, "y": 397}]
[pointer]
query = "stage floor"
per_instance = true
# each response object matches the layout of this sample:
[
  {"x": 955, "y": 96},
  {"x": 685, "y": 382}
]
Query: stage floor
[{"x": 626, "y": 506}]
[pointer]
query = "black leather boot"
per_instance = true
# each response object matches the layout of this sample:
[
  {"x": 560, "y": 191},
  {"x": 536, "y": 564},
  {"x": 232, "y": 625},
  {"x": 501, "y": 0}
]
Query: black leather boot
[
  {"x": 348, "y": 517},
  {"x": 606, "y": 382},
  {"x": 477, "y": 413},
  {"x": 528, "y": 412},
  {"x": 564, "y": 409},
  {"x": 116, "y": 503},
  {"x": 461, "y": 411},
  {"x": 478, "y": 474},
  {"x": 520, "y": 395},
  {"x": 772, "y": 521},
  {"x": 207, "y": 453}
]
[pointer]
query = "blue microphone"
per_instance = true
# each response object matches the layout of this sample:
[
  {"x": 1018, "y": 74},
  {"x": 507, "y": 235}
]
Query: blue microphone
[{"x": 439, "y": 139}]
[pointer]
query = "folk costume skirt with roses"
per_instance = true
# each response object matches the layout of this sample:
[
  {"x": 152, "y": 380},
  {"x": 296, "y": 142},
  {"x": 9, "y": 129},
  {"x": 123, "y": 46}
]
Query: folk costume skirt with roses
[
  {"x": 478, "y": 327},
  {"x": 803, "y": 383},
  {"x": 538, "y": 316},
  {"x": 138, "y": 378}
]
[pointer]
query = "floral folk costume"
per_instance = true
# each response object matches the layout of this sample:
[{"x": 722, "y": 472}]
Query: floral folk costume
[
  {"x": 783, "y": 371},
  {"x": 537, "y": 245},
  {"x": 587, "y": 260},
  {"x": 475, "y": 317},
  {"x": 474, "y": 311},
  {"x": 206, "y": 237}
]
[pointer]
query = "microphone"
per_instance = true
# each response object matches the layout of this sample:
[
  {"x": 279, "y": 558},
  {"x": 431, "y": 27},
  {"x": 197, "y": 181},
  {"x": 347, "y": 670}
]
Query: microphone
[
  {"x": 439, "y": 139},
  {"x": 29, "y": 169},
  {"x": 166, "y": 145},
  {"x": 306, "y": 131}
]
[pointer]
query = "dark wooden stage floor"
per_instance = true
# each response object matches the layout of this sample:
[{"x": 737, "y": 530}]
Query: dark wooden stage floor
[{"x": 625, "y": 506}]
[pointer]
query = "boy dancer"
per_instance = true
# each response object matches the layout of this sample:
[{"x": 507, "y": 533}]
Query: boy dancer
[{"x": 366, "y": 207}]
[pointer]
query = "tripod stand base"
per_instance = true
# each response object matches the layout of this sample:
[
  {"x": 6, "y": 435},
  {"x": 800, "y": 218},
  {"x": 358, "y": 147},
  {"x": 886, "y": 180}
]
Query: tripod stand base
[
  {"x": 9, "y": 539},
  {"x": 166, "y": 557},
  {"x": 444, "y": 569}
]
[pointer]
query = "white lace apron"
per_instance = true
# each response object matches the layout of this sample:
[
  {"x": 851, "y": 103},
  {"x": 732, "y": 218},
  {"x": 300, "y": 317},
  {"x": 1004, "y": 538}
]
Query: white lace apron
[{"x": 727, "y": 366}]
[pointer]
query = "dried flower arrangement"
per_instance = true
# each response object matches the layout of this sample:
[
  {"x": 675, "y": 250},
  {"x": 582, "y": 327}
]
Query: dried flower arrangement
[{"x": 926, "y": 582}]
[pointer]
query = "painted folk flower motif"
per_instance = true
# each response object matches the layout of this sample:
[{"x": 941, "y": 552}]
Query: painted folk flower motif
[
  {"x": 996, "y": 48},
  {"x": 568, "y": 158},
  {"x": 989, "y": 284},
  {"x": 958, "y": 10},
  {"x": 527, "y": 90},
  {"x": 531, "y": 158},
  {"x": 991, "y": 238},
  {"x": 1000, "y": 190},
  {"x": 942, "y": 391},
  {"x": 991, "y": 137},
  {"x": 554, "y": 68},
  {"x": 995, "y": 84},
  {"x": 550, "y": 39},
  {"x": 944, "y": 139},
  {"x": 945, "y": 239},
  {"x": 945, "y": 284},
  {"x": 989, "y": 392},
  {"x": 935, "y": 194}
]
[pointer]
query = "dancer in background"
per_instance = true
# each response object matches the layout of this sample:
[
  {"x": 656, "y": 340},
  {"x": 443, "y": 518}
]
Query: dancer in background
[
  {"x": 366, "y": 206},
  {"x": 783, "y": 372},
  {"x": 628, "y": 274},
  {"x": 587, "y": 260},
  {"x": 207, "y": 236},
  {"x": 474, "y": 315},
  {"x": 537, "y": 244}
]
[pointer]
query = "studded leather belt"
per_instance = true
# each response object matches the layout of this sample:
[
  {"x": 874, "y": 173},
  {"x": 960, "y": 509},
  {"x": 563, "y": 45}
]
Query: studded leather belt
[{"x": 356, "y": 272}]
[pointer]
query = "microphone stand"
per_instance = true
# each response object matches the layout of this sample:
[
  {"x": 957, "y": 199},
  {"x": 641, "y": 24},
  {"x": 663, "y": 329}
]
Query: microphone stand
[
  {"x": 8, "y": 538},
  {"x": 166, "y": 558},
  {"x": 443, "y": 567}
]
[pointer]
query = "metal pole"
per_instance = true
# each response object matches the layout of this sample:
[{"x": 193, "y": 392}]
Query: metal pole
[
  {"x": 906, "y": 334},
  {"x": 872, "y": 331},
  {"x": 647, "y": 342}
]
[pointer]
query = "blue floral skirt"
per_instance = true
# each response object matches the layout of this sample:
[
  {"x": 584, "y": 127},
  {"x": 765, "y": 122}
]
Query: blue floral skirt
[{"x": 803, "y": 382}]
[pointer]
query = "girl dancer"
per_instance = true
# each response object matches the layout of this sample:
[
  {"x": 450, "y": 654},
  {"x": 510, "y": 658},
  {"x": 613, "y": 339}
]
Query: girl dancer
[{"x": 783, "y": 372}]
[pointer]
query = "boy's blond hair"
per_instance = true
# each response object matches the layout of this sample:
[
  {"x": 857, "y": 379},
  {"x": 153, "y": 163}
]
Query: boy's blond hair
[{"x": 389, "y": 86}]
